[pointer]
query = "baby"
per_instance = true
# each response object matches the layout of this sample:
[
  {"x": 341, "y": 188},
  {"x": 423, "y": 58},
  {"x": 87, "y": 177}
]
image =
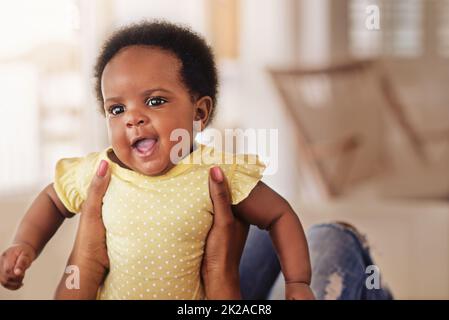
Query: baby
[{"x": 154, "y": 79}]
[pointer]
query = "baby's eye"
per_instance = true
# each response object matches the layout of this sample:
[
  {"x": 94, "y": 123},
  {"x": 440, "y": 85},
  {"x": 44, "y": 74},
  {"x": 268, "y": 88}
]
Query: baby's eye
[
  {"x": 155, "y": 101},
  {"x": 117, "y": 109}
]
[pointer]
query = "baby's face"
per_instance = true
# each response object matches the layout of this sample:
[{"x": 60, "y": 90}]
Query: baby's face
[{"x": 144, "y": 101}]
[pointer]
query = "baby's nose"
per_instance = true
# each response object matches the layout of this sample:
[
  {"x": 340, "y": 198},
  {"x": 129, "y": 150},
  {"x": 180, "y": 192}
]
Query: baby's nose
[{"x": 136, "y": 120}]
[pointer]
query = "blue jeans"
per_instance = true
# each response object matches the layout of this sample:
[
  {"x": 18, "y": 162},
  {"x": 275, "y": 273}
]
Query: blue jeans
[{"x": 339, "y": 257}]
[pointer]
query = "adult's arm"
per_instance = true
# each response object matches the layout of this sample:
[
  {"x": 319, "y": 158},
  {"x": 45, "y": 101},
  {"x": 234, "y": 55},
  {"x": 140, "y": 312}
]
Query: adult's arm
[
  {"x": 224, "y": 244},
  {"x": 89, "y": 255}
]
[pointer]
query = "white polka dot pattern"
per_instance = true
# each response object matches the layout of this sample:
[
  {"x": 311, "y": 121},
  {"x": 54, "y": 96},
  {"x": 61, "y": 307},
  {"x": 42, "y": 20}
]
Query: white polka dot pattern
[{"x": 156, "y": 226}]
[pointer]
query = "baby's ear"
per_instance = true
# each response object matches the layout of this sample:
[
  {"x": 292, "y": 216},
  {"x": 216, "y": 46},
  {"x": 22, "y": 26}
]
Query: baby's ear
[{"x": 203, "y": 110}]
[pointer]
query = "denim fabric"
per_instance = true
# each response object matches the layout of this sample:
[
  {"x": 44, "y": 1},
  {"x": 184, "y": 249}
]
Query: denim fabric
[
  {"x": 259, "y": 266},
  {"x": 339, "y": 257}
]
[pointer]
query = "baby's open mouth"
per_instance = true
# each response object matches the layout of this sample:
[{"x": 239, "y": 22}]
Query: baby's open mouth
[{"x": 144, "y": 146}]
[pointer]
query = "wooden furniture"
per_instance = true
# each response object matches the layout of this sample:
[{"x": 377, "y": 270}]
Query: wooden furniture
[
  {"x": 320, "y": 103},
  {"x": 339, "y": 118}
]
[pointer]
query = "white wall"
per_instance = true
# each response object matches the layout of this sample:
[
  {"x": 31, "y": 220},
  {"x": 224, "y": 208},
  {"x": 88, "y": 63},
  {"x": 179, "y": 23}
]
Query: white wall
[
  {"x": 267, "y": 40},
  {"x": 190, "y": 12}
]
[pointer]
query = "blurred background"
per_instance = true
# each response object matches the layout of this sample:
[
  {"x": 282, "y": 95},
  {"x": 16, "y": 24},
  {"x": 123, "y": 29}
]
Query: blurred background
[{"x": 358, "y": 91}]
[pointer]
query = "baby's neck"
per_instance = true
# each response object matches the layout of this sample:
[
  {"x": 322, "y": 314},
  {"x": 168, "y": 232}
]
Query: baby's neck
[{"x": 116, "y": 160}]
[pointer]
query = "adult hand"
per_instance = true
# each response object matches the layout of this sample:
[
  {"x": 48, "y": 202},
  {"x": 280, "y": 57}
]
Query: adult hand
[
  {"x": 224, "y": 244},
  {"x": 89, "y": 254}
]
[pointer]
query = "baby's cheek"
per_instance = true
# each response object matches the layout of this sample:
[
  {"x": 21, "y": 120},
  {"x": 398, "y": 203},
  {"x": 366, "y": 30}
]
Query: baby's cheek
[
  {"x": 117, "y": 134},
  {"x": 114, "y": 132}
]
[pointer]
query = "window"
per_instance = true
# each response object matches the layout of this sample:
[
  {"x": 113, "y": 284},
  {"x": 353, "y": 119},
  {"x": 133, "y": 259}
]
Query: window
[
  {"x": 363, "y": 42},
  {"x": 441, "y": 9},
  {"x": 403, "y": 28}
]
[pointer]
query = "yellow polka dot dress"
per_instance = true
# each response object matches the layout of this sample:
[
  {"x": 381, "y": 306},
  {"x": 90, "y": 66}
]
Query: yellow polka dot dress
[{"x": 156, "y": 226}]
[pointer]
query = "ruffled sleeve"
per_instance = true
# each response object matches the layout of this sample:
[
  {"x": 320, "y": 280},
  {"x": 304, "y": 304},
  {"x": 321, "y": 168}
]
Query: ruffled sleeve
[
  {"x": 245, "y": 174},
  {"x": 67, "y": 184},
  {"x": 73, "y": 177}
]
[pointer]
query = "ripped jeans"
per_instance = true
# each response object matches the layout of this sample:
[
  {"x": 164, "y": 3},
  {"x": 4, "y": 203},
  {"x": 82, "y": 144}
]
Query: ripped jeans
[{"x": 339, "y": 256}]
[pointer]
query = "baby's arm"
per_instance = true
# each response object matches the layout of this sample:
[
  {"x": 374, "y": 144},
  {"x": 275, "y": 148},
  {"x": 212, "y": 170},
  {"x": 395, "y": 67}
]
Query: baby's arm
[
  {"x": 268, "y": 210},
  {"x": 42, "y": 220}
]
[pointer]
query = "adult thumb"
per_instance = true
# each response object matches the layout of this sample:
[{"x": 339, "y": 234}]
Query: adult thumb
[
  {"x": 221, "y": 199},
  {"x": 98, "y": 186}
]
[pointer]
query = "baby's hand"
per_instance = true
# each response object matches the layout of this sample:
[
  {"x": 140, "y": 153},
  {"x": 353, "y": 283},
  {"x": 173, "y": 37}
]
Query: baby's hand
[
  {"x": 298, "y": 291},
  {"x": 13, "y": 264}
]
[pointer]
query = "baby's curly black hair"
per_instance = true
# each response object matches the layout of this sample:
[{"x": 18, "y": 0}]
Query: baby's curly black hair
[{"x": 198, "y": 70}]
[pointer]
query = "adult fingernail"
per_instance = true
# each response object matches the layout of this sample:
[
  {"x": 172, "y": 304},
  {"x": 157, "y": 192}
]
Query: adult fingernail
[
  {"x": 18, "y": 271},
  {"x": 102, "y": 168},
  {"x": 217, "y": 175}
]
